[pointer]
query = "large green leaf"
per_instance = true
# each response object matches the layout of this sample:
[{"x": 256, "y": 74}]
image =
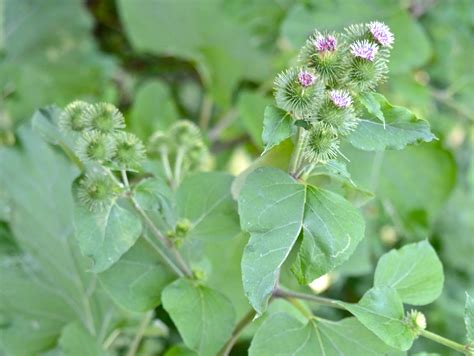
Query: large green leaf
[
  {"x": 282, "y": 334},
  {"x": 274, "y": 208},
  {"x": 251, "y": 108},
  {"x": 107, "y": 234},
  {"x": 332, "y": 229},
  {"x": 271, "y": 208},
  {"x": 203, "y": 316},
  {"x": 77, "y": 341},
  {"x": 49, "y": 61},
  {"x": 414, "y": 271},
  {"x": 277, "y": 126},
  {"x": 137, "y": 279},
  {"x": 381, "y": 311},
  {"x": 221, "y": 62},
  {"x": 205, "y": 200},
  {"x": 49, "y": 287},
  {"x": 398, "y": 128},
  {"x": 153, "y": 109}
]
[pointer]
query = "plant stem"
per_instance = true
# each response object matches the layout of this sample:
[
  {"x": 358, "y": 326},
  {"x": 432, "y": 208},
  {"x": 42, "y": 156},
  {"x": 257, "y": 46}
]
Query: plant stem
[
  {"x": 110, "y": 340},
  {"x": 246, "y": 319},
  {"x": 296, "y": 303},
  {"x": 182, "y": 268},
  {"x": 178, "y": 164},
  {"x": 140, "y": 332},
  {"x": 297, "y": 152},
  {"x": 444, "y": 341},
  {"x": 206, "y": 111},
  {"x": 280, "y": 293},
  {"x": 166, "y": 166}
]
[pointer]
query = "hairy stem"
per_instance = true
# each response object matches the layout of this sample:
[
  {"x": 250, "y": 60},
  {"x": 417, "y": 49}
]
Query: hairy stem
[
  {"x": 446, "y": 342},
  {"x": 246, "y": 319},
  {"x": 132, "y": 350},
  {"x": 297, "y": 154},
  {"x": 286, "y": 294}
]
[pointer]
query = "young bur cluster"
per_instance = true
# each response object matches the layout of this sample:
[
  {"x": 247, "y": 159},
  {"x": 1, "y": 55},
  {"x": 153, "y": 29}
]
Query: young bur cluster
[
  {"x": 102, "y": 145},
  {"x": 322, "y": 91}
]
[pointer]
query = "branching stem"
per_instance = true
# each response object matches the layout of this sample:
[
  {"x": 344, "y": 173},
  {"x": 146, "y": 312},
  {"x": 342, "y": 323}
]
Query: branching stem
[{"x": 246, "y": 319}]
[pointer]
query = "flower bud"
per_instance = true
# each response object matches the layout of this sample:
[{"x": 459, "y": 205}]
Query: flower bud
[
  {"x": 104, "y": 118},
  {"x": 92, "y": 146},
  {"x": 298, "y": 90},
  {"x": 96, "y": 191},
  {"x": 323, "y": 54},
  {"x": 416, "y": 321},
  {"x": 184, "y": 133},
  {"x": 182, "y": 227},
  {"x": 72, "y": 118},
  {"x": 129, "y": 151},
  {"x": 322, "y": 144},
  {"x": 337, "y": 112}
]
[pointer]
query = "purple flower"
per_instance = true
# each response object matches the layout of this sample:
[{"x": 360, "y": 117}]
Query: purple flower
[
  {"x": 381, "y": 33},
  {"x": 340, "y": 98},
  {"x": 325, "y": 44},
  {"x": 364, "y": 49},
  {"x": 306, "y": 78}
]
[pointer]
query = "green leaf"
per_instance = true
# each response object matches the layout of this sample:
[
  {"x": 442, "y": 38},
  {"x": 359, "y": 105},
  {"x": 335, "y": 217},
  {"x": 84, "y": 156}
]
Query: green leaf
[
  {"x": 277, "y": 127},
  {"x": 220, "y": 62},
  {"x": 48, "y": 289},
  {"x": 106, "y": 235},
  {"x": 372, "y": 105},
  {"x": 400, "y": 128},
  {"x": 77, "y": 341},
  {"x": 137, "y": 279},
  {"x": 153, "y": 109},
  {"x": 205, "y": 200},
  {"x": 251, "y": 107},
  {"x": 203, "y": 316},
  {"x": 469, "y": 318},
  {"x": 282, "y": 334},
  {"x": 414, "y": 271},
  {"x": 381, "y": 311},
  {"x": 271, "y": 208},
  {"x": 274, "y": 209},
  {"x": 332, "y": 229}
]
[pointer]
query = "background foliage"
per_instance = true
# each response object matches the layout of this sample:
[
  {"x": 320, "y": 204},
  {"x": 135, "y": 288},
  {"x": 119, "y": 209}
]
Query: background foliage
[{"x": 213, "y": 62}]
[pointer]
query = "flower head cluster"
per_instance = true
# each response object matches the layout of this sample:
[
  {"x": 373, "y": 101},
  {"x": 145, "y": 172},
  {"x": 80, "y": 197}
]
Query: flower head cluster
[
  {"x": 102, "y": 145},
  {"x": 325, "y": 43},
  {"x": 334, "y": 69},
  {"x": 306, "y": 79},
  {"x": 364, "y": 49},
  {"x": 340, "y": 98},
  {"x": 381, "y": 33}
]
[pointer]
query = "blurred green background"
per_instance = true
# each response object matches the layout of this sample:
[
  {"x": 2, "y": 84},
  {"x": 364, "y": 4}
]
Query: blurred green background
[{"x": 213, "y": 62}]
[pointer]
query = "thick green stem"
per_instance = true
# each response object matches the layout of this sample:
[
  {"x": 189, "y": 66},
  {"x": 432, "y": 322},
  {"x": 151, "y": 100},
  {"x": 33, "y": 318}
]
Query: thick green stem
[
  {"x": 246, "y": 319},
  {"x": 297, "y": 152},
  {"x": 206, "y": 111},
  {"x": 446, "y": 342}
]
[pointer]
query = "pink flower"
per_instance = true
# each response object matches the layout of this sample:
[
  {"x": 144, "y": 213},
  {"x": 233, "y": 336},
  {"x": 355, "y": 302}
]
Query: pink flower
[
  {"x": 364, "y": 49},
  {"x": 381, "y": 33},
  {"x": 340, "y": 98},
  {"x": 306, "y": 78},
  {"x": 325, "y": 44}
]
